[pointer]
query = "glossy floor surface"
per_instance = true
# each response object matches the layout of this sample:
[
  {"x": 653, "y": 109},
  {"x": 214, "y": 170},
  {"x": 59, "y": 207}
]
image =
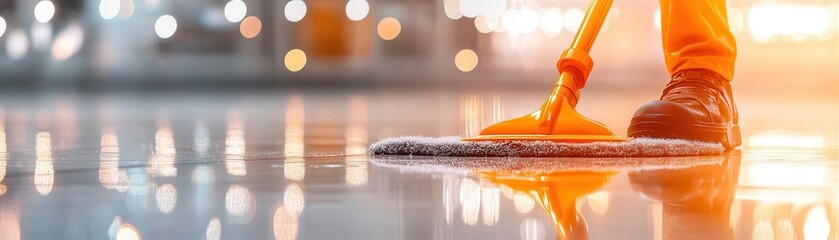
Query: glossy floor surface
[{"x": 293, "y": 164}]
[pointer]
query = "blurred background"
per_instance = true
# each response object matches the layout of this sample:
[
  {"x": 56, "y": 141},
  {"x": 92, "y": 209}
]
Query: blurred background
[{"x": 209, "y": 43}]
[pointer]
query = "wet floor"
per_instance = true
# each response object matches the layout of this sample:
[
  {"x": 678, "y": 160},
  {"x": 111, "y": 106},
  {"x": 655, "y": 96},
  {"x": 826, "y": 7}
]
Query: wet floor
[{"x": 293, "y": 165}]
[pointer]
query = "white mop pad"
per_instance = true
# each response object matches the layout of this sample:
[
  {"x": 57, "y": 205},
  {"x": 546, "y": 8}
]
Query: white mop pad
[{"x": 454, "y": 146}]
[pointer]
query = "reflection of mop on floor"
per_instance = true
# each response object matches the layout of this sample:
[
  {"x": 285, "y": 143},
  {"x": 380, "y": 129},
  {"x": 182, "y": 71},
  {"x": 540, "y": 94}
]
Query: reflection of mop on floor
[{"x": 469, "y": 165}]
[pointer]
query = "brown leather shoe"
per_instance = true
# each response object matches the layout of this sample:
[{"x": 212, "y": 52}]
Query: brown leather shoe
[{"x": 697, "y": 104}]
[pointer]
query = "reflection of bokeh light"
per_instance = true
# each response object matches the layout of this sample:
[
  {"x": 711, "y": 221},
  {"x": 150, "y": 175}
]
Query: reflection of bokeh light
[
  {"x": 450, "y": 186},
  {"x": 573, "y": 19},
  {"x": 166, "y": 198},
  {"x": 213, "y": 229},
  {"x": 471, "y": 8},
  {"x": 2, "y": 26},
  {"x": 234, "y": 146},
  {"x": 44, "y": 170},
  {"x": 294, "y": 199},
  {"x": 201, "y": 139},
  {"x": 285, "y": 224},
  {"x": 452, "y": 8},
  {"x": 357, "y": 173},
  {"x": 295, "y": 10},
  {"x": 17, "y": 44},
  {"x": 552, "y": 22},
  {"x": 762, "y": 230},
  {"x": 165, "y": 26},
  {"x": 357, "y": 9},
  {"x": 294, "y": 169},
  {"x": 490, "y": 205},
  {"x": 203, "y": 175},
  {"x": 466, "y": 60},
  {"x": 108, "y": 159},
  {"x": 3, "y": 154},
  {"x": 235, "y": 10},
  {"x": 250, "y": 27},
  {"x": 295, "y": 118},
  {"x": 470, "y": 201},
  {"x": 68, "y": 42},
  {"x": 485, "y": 25},
  {"x": 128, "y": 232},
  {"x": 598, "y": 202},
  {"x": 44, "y": 11},
  {"x": 9, "y": 222},
  {"x": 114, "y": 227},
  {"x": 765, "y": 174},
  {"x": 389, "y": 28},
  {"x": 816, "y": 225},
  {"x": 532, "y": 229},
  {"x": 238, "y": 201},
  {"x": 122, "y": 181},
  {"x": 786, "y": 140},
  {"x": 295, "y": 59},
  {"x": 523, "y": 202},
  {"x": 109, "y": 8},
  {"x": 162, "y": 162}
]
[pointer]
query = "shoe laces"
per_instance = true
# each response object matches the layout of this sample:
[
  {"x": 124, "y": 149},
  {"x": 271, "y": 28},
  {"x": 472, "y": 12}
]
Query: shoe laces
[{"x": 684, "y": 86}]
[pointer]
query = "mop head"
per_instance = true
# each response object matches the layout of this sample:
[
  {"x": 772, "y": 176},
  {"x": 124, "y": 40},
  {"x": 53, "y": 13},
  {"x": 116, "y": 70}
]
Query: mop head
[{"x": 454, "y": 146}]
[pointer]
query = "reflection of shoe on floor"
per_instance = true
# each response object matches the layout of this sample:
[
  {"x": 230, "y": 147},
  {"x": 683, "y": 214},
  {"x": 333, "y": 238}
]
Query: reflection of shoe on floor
[{"x": 697, "y": 104}]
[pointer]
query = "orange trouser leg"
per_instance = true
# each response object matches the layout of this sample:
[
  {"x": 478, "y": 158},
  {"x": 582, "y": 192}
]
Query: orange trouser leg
[{"x": 695, "y": 34}]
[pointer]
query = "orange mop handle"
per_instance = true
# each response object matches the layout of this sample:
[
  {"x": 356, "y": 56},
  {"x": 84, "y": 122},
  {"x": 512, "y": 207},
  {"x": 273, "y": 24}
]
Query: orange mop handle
[{"x": 576, "y": 58}]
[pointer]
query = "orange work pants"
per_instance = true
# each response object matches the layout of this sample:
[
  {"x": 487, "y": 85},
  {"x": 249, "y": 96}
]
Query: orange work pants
[{"x": 695, "y": 34}]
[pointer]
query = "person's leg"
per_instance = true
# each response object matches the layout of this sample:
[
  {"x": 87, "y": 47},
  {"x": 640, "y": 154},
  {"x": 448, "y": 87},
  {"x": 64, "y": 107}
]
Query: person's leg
[
  {"x": 695, "y": 35},
  {"x": 699, "y": 51}
]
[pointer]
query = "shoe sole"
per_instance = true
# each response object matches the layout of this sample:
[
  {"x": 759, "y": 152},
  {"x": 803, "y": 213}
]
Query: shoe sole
[{"x": 728, "y": 136}]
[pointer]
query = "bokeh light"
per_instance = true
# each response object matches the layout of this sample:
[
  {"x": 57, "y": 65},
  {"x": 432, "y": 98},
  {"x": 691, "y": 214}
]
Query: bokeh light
[
  {"x": 126, "y": 9},
  {"x": 250, "y": 27},
  {"x": 485, "y": 25},
  {"x": 295, "y": 60},
  {"x": 493, "y": 8},
  {"x": 452, "y": 9},
  {"x": 68, "y": 42},
  {"x": 2, "y": 26},
  {"x": 41, "y": 35},
  {"x": 235, "y": 10},
  {"x": 44, "y": 11},
  {"x": 357, "y": 9},
  {"x": 128, "y": 232},
  {"x": 295, "y": 10},
  {"x": 551, "y": 22},
  {"x": 657, "y": 19},
  {"x": 466, "y": 60},
  {"x": 471, "y": 8},
  {"x": 389, "y": 28},
  {"x": 573, "y": 19},
  {"x": 520, "y": 21},
  {"x": 165, "y": 26},
  {"x": 109, "y": 8}
]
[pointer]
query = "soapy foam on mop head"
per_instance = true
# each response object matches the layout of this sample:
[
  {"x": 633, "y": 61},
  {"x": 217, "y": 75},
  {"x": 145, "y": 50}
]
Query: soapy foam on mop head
[{"x": 454, "y": 146}]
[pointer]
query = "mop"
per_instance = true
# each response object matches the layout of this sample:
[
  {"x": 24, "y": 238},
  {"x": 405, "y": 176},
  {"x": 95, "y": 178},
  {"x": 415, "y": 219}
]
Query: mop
[{"x": 556, "y": 129}]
